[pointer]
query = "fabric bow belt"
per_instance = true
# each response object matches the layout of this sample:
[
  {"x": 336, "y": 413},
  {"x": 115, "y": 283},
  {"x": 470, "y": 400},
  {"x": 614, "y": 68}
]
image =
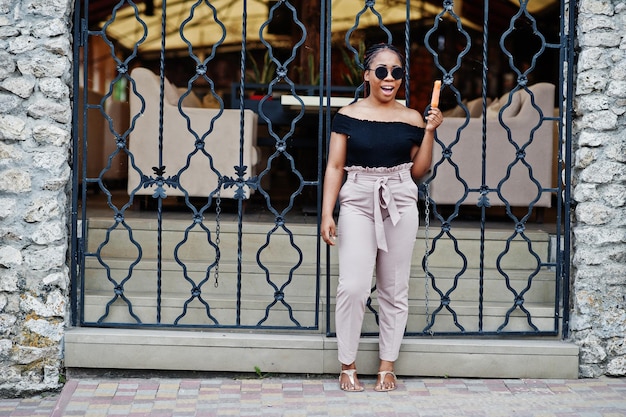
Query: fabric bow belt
[{"x": 383, "y": 200}]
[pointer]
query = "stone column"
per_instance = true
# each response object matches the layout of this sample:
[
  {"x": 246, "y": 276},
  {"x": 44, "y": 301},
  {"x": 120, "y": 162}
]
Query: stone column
[
  {"x": 35, "y": 139},
  {"x": 598, "y": 273}
]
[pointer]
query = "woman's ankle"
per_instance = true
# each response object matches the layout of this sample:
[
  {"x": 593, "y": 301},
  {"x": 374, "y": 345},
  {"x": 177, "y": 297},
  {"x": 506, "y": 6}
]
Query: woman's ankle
[
  {"x": 349, "y": 366},
  {"x": 385, "y": 366}
]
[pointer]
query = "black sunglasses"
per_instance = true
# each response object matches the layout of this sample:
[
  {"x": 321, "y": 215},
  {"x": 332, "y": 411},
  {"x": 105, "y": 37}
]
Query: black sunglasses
[{"x": 381, "y": 73}]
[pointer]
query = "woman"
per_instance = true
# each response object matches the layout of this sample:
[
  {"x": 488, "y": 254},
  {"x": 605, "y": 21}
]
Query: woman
[{"x": 382, "y": 146}]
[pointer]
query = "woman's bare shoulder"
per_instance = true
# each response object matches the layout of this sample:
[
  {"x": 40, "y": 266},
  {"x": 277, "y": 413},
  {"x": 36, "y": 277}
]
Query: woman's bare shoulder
[
  {"x": 412, "y": 117},
  {"x": 352, "y": 109}
]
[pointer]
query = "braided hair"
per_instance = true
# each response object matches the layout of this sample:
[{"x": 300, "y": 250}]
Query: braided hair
[{"x": 375, "y": 49}]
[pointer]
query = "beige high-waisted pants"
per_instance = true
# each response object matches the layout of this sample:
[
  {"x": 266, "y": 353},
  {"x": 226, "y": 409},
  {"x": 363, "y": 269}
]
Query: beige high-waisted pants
[{"x": 377, "y": 227}]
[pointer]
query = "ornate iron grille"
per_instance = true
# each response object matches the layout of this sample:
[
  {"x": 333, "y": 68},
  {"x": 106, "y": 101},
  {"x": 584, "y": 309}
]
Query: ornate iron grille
[{"x": 158, "y": 282}]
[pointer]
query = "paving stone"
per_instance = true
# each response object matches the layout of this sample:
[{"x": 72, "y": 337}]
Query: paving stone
[{"x": 312, "y": 397}]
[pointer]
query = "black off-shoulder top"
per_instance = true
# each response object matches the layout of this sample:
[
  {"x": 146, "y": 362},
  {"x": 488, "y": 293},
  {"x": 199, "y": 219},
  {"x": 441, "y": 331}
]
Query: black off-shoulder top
[{"x": 374, "y": 144}]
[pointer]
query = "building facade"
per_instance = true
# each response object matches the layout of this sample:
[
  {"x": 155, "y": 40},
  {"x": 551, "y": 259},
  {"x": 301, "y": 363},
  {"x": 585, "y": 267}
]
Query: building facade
[{"x": 36, "y": 73}]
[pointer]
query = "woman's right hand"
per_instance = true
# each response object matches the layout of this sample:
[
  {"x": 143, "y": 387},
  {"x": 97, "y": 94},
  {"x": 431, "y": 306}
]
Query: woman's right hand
[{"x": 328, "y": 230}]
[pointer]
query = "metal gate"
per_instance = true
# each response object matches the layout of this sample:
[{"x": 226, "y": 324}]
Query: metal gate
[{"x": 199, "y": 139}]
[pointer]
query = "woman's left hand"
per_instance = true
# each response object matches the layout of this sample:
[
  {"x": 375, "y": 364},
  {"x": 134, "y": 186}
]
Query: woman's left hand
[{"x": 434, "y": 118}]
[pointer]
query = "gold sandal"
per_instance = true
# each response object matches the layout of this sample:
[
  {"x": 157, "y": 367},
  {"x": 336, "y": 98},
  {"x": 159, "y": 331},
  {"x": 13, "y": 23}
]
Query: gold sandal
[
  {"x": 350, "y": 373},
  {"x": 382, "y": 375}
]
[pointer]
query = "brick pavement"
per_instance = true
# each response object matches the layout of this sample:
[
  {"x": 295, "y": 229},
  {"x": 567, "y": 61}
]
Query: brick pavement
[{"x": 299, "y": 397}]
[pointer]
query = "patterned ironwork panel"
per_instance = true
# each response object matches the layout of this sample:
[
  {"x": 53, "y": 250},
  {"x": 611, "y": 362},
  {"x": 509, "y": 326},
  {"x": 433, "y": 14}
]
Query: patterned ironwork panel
[
  {"x": 493, "y": 164},
  {"x": 175, "y": 247},
  {"x": 201, "y": 133},
  {"x": 501, "y": 160}
]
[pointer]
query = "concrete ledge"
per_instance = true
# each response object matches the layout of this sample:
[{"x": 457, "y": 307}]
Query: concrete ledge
[{"x": 178, "y": 350}]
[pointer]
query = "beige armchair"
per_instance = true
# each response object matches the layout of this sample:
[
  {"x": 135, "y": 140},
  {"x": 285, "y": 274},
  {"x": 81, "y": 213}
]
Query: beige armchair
[
  {"x": 521, "y": 118},
  {"x": 198, "y": 176}
]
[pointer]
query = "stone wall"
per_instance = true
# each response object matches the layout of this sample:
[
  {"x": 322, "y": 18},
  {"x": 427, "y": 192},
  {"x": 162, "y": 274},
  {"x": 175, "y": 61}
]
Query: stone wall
[
  {"x": 35, "y": 138},
  {"x": 599, "y": 189},
  {"x": 35, "y": 141}
]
